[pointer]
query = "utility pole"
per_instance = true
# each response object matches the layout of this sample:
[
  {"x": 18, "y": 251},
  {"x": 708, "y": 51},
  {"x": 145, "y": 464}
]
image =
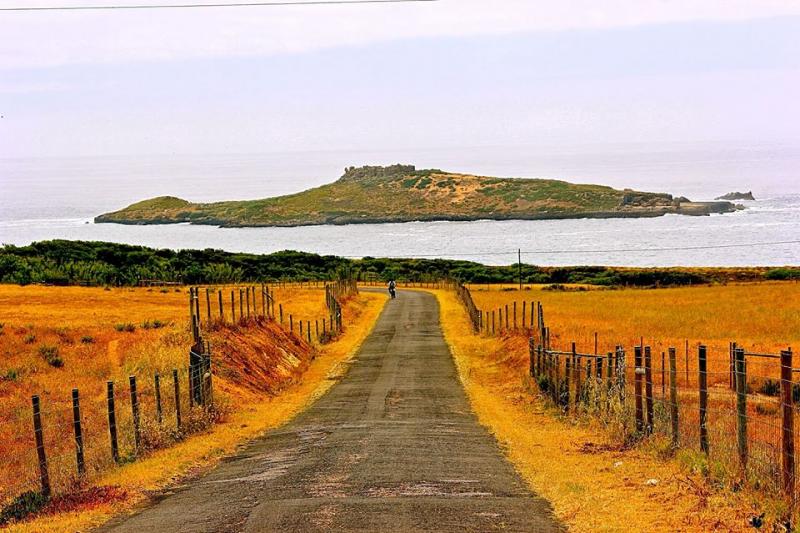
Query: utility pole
[{"x": 519, "y": 267}]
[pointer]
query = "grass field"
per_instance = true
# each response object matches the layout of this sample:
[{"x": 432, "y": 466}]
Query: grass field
[
  {"x": 594, "y": 484},
  {"x": 762, "y": 317},
  {"x": 55, "y": 339},
  {"x": 91, "y": 334}
]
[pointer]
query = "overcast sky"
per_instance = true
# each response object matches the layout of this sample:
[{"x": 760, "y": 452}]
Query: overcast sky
[{"x": 441, "y": 74}]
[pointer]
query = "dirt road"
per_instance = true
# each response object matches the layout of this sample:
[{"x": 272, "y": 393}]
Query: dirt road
[{"x": 393, "y": 446}]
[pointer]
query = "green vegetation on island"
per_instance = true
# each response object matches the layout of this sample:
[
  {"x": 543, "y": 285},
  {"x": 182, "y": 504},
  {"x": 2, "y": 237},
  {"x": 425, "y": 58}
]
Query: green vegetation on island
[
  {"x": 99, "y": 263},
  {"x": 400, "y": 193}
]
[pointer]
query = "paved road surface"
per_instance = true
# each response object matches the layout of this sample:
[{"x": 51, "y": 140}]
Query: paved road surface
[{"x": 394, "y": 446}]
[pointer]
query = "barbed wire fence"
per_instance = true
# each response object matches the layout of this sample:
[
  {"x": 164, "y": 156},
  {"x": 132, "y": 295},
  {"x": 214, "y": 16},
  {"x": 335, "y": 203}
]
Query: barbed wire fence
[
  {"x": 64, "y": 443},
  {"x": 732, "y": 406}
]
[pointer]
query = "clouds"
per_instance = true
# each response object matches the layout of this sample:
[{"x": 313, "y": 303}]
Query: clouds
[
  {"x": 454, "y": 73},
  {"x": 47, "y": 39}
]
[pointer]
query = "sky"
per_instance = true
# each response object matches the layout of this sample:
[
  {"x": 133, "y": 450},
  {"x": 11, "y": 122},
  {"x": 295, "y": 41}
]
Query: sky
[{"x": 450, "y": 73}]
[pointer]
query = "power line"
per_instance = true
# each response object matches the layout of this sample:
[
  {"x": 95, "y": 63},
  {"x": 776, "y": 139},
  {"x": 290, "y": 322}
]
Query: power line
[
  {"x": 595, "y": 251},
  {"x": 199, "y": 5},
  {"x": 669, "y": 249}
]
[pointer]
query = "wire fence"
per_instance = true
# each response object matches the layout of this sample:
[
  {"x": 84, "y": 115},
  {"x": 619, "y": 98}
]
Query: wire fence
[
  {"x": 734, "y": 408},
  {"x": 213, "y": 306},
  {"x": 63, "y": 442},
  {"x": 741, "y": 421}
]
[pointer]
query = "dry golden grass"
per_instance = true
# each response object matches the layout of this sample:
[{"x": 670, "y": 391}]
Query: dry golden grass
[
  {"x": 80, "y": 325},
  {"x": 762, "y": 317},
  {"x": 296, "y": 303},
  {"x": 592, "y": 484},
  {"x": 112, "y": 354}
]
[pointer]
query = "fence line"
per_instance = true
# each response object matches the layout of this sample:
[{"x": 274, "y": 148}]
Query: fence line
[
  {"x": 741, "y": 419},
  {"x": 75, "y": 439},
  {"x": 745, "y": 428}
]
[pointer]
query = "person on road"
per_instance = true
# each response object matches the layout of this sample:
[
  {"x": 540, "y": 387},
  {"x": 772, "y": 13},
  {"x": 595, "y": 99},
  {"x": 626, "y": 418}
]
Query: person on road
[{"x": 392, "y": 289}]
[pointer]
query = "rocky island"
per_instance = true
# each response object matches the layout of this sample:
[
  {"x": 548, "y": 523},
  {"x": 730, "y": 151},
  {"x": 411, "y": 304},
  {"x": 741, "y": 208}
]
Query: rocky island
[
  {"x": 401, "y": 193},
  {"x": 732, "y": 196}
]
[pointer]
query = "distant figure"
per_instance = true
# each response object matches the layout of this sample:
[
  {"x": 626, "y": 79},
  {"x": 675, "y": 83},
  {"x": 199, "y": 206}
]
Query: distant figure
[{"x": 392, "y": 287}]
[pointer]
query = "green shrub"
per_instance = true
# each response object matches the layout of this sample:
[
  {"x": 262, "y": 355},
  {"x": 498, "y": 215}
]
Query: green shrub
[
  {"x": 783, "y": 274},
  {"x": 51, "y": 355},
  {"x": 127, "y": 327},
  {"x": 767, "y": 409},
  {"x": 87, "y": 339},
  {"x": 12, "y": 374},
  {"x": 770, "y": 387},
  {"x": 22, "y": 506},
  {"x": 30, "y": 338}
]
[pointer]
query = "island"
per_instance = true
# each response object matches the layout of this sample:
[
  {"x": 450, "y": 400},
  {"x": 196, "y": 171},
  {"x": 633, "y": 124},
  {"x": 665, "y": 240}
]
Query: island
[
  {"x": 737, "y": 196},
  {"x": 401, "y": 193}
]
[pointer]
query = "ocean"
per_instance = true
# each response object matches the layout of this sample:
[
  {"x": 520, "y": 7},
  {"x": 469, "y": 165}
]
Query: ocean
[{"x": 57, "y": 198}]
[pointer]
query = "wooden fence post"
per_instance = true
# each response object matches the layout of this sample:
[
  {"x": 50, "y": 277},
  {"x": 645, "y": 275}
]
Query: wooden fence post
[
  {"x": 731, "y": 368},
  {"x": 280, "y": 310},
  {"x": 539, "y": 360},
  {"x": 740, "y": 383},
  {"x": 787, "y": 432},
  {"x": 308, "y": 331},
  {"x": 599, "y": 380},
  {"x": 531, "y": 370},
  {"x": 609, "y": 378},
  {"x": 191, "y": 309},
  {"x": 687, "y": 362},
  {"x": 241, "y": 305},
  {"x": 208, "y": 304},
  {"x": 648, "y": 387},
  {"x": 291, "y": 323},
  {"x": 673, "y": 397},
  {"x": 191, "y": 386},
  {"x": 112, "y": 420},
  {"x": 233, "y": 308},
  {"x": 157, "y": 386},
  {"x": 137, "y": 435},
  {"x": 587, "y": 382},
  {"x": 703, "y": 388},
  {"x": 44, "y": 475},
  {"x": 637, "y": 383},
  {"x": 177, "y": 389},
  {"x": 78, "y": 430},
  {"x": 247, "y": 298},
  {"x": 577, "y": 366},
  {"x": 515, "y": 315},
  {"x": 622, "y": 368},
  {"x": 507, "y": 317},
  {"x": 524, "y": 305},
  {"x": 221, "y": 307},
  {"x": 197, "y": 308}
]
